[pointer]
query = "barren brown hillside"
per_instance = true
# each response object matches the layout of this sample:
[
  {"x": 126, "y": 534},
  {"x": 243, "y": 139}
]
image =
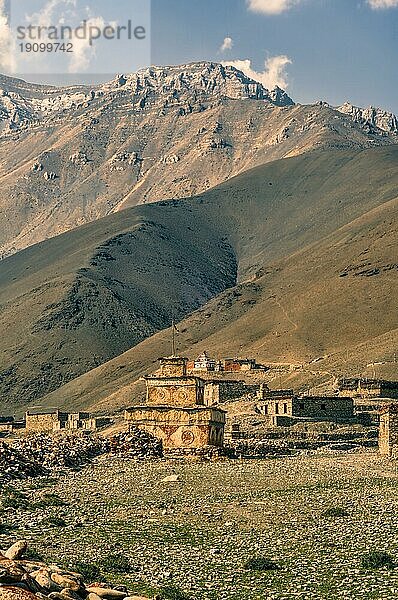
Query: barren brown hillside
[
  {"x": 293, "y": 261},
  {"x": 334, "y": 301}
]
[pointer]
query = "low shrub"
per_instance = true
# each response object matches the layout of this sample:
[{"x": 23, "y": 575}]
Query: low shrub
[
  {"x": 377, "y": 560},
  {"x": 49, "y": 500},
  {"x": 335, "y": 511},
  {"x": 5, "y": 527},
  {"x": 12, "y": 498},
  {"x": 171, "y": 592},
  {"x": 115, "y": 563},
  {"x": 89, "y": 571},
  {"x": 32, "y": 554},
  {"x": 53, "y": 522},
  {"x": 260, "y": 563}
]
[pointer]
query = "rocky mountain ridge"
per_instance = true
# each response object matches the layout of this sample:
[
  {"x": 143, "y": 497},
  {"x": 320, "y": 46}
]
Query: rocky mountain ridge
[
  {"x": 72, "y": 155},
  {"x": 373, "y": 116},
  {"x": 22, "y": 104}
]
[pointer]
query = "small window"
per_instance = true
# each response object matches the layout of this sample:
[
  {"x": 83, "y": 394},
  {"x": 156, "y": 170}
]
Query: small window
[
  {"x": 266, "y": 409},
  {"x": 277, "y": 408},
  {"x": 285, "y": 409}
]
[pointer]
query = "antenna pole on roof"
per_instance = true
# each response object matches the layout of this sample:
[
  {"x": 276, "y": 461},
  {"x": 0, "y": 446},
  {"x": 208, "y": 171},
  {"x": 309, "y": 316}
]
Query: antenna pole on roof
[
  {"x": 173, "y": 339},
  {"x": 173, "y": 336}
]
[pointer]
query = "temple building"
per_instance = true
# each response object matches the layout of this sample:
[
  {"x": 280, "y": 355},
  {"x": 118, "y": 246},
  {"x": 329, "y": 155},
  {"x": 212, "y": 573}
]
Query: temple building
[
  {"x": 204, "y": 363},
  {"x": 175, "y": 410},
  {"x": 172, "y": 386}
]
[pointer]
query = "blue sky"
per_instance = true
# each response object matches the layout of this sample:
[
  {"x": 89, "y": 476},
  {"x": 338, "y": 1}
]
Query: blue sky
[
  {"x": 332, "y": 50},
  {"x": 339, "y": 49}
]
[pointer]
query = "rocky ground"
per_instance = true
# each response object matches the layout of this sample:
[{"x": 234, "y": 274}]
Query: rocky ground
[
  {"x": 185, "y": 530},
  {"x": 44, "y": 454},
  {"x": 25, "y": 578}
]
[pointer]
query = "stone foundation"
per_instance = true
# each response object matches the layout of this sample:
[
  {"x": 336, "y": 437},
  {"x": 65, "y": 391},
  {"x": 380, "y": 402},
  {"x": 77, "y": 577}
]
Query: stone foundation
[{"x": 189, "y": 428}]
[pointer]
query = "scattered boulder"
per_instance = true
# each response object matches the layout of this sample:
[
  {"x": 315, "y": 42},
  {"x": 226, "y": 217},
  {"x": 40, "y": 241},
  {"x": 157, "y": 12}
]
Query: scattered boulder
[
  {"x": 172, "y": 159},
  {"x": 79, "y": 159},
  {"x": 67, "y": 581},
  {"x": 27, "y": 580},
  {"x": 107, "y": 593},
  {"x": 50, "y": 176},
  {"x": 135, "y": 159},
  {"x": 43, "y": 577},
  {"x": 16, "y": 593},
  {"x": 119, "y": 159},
  {"x": 17, "y": 550},
  {"x": 217, "y": 143},
  {"x": 171, "y": 479}
]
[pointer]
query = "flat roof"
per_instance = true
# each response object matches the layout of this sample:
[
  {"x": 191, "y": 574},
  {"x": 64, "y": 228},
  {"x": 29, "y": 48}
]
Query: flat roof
[
  {"x": 168, "y": 407},
  {"x": 42, "y": 411}
]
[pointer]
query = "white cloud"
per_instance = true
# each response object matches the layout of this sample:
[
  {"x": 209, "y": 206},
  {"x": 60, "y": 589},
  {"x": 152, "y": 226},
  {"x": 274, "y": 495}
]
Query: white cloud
[
  {"x": 274, "y": 73},
  {"x": 272, "y": 7},
  {"x": 227, "y": 44},
  {"x": 380, "y": 4},
  {"x": 46, "y": 16},
  {"x": 83, "y": 51},
  {"x": 67, "y": 12},
  {"x": 7, "y": 62}
]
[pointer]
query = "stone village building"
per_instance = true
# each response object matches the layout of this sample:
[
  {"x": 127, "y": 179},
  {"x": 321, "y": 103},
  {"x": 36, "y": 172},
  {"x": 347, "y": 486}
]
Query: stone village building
[
  {"x": 370, "y": 395},
  {"x": 284, "y": 408},
  {"x": 175, "y": 409},
  {"x": 51, "y": 421},
  {"x": 9, "y": 425},
  {"x": 367, "y": 388}
]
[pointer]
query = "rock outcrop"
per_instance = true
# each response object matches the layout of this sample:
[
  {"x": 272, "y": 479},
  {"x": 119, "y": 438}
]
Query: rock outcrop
[
  {"x": 22, "y": 578},
  {"x": 376, "y": 117}
]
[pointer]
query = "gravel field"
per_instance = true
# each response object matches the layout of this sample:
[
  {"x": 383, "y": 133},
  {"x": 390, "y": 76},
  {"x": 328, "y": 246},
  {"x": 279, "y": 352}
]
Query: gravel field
[{"x": 197, "y": 533}]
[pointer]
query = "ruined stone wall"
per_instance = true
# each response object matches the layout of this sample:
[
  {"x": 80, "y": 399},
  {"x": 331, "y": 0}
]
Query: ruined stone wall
[
  {"x": 361, "y": 392},
  {"x": 388, "y": 432},
  {"x": 81, "y": 424},
  {"x": 6, "y": 427},
  {"x": 389, "y": 391},
  {"x": 370, "y": 389},
  {"x": 384, "y": 434},
  {"x": 276, "y": 406},
  {"x": 264, "y": 393}
]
